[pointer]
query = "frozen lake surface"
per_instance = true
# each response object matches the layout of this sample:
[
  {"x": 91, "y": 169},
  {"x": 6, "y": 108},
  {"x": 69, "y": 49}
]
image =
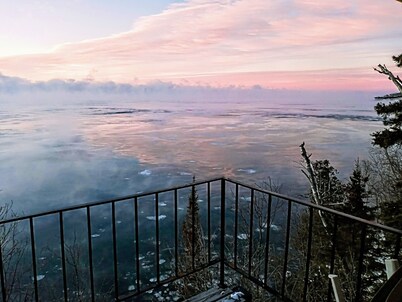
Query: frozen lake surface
[{"x": 57, "y": 156}]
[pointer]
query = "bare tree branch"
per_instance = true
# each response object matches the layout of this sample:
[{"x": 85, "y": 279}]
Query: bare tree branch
[
  {"x": 311, "y": 176},
  {"x": 395, "y": 79}
]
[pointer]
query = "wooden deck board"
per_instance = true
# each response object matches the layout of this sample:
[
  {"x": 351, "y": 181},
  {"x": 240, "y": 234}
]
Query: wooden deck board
[{"x": 215, "y": 295}]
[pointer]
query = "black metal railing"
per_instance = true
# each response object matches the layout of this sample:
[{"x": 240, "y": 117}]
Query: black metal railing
[{"x": 121, "y": 248}]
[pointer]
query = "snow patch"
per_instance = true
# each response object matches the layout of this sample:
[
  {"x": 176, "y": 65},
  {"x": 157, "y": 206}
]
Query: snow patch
[{"x": 242, "y": 236}]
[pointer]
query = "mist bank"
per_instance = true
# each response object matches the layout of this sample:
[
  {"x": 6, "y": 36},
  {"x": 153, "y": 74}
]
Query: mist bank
[{"x": 19, "y": 91}]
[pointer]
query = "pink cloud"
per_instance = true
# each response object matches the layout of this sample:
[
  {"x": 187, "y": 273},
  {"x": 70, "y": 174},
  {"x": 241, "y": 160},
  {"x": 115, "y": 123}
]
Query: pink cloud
[{"x": 241, "y": 42}]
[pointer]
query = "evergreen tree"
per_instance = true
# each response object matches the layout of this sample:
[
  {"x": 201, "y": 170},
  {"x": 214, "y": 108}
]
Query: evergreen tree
[
  {"x": 390, "y": 139},
  {"x": 330, "y": 188},
  {"x": 194, "y": 252},
  {"x": 352, "y": 198},
  {"x": 357, "y": 195},
  {"x": 390, "y": 113},
  {"x": 192, "y": 229}
]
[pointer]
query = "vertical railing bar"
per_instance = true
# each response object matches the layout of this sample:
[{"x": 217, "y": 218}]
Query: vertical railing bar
[
  {"x": 209, "y": 220},
  {"x": 236, "y": 225},
  {"x": 397, "y": 247},
  {"x": 285, "y": 262},
  {"x": 223, "y": 230},
  {"x": 360, "y": 267},
  {"x": 35, "y": 273},
  {"x": 91, "y": 264},
  {"x": 192, "y": 206},
  {"x": 309, "y": 241},
  {"x": 332, "y": 262},
  {"x": 268, "y": 229},
  {"x": 137, "y": 246},
  {"x": 250, "y": 246},
  {"x": 2, "y": 280},
  {"x": 63, "y": 256},
  {"x": 115, "y": 264},
  {"x": 157, "y": 237},
  {"x": 176, "y": 236}
]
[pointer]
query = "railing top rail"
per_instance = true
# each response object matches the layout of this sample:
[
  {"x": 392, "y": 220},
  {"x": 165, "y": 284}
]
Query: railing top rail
[
  {"x": 106, "y": 201},
  {"x": 318, "y": 207}
]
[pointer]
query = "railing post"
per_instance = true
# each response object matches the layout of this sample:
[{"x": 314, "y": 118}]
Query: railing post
[
  {"x": 33, "y": 252},
  {"x": 90, "y": 258},
  {"x": 2, "y": 281},
  {"x": 63, "y": 256},
  {"x": 222, "y": 245}
]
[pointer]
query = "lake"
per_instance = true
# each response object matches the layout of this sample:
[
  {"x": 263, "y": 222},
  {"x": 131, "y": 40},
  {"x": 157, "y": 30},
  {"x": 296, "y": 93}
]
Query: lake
[{"x": 58, "y": 155}]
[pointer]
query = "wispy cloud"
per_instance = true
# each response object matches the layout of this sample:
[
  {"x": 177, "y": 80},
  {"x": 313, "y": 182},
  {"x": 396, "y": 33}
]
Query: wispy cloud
[{"x": 215, "y": 41}]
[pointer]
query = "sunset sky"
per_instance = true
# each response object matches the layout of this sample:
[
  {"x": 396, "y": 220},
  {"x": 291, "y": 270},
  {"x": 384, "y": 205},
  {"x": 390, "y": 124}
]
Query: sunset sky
[{"x": 294, "y": 44}]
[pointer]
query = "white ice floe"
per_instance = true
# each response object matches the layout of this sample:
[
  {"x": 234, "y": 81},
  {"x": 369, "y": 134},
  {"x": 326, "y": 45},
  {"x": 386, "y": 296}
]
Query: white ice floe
[
  {"x": 162, "y": 261},
  {"x": 95, "y": 235},
  {"x": 184, "y": 173},
  {"x": 38, "y": 277},
  {"x": 162, "y": 204},
  {"x": 145, "y": 172},
  {"x": 160, "y": 217},
  {"x": 161, "y": 277},
  {"x": 242, "y": 236},
  {"x": 245, "y": 198},
  {"x": 131, "y": 287},
  {"x": 248, "y": 171},
  {"x": 275, "y": 227}
]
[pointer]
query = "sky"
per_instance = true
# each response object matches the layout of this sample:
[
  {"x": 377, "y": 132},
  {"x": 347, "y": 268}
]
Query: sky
[{"x": 276, "y": 44}]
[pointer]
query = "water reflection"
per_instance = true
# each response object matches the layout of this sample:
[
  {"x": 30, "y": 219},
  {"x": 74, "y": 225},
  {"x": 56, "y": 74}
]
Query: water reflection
[{"x": 55, "y": 157}]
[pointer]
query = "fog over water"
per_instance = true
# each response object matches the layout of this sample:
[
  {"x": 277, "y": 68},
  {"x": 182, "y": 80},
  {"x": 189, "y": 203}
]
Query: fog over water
[{"x": 61, "y": 154}]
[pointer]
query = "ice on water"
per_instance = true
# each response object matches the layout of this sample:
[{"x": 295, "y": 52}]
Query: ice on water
[{"x": 153, "y": 218}]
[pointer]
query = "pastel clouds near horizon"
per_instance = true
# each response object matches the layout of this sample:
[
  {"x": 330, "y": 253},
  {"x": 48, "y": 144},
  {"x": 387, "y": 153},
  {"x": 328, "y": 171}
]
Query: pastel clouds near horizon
[{"x": 301, "y": 44}]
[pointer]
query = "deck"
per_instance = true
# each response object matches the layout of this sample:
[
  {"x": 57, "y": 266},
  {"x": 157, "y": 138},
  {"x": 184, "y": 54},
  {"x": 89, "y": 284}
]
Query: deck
[{"x": 222, "y": 294}]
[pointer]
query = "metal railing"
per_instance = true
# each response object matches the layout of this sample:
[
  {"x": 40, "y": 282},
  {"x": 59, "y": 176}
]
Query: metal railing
[{"x": 117, "y": 249}]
